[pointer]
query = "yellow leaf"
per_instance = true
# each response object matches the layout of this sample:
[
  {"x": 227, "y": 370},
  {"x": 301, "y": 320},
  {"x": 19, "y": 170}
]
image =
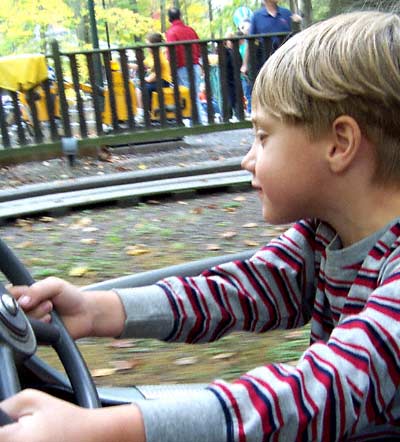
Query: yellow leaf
[
  {"x": 78, "y": 271},
  {"x": 100, "y": 372},
  {"x": 142, "y": 167},
  {"x": 136, "y": 250},
  {"x": 251, "y": 243}
]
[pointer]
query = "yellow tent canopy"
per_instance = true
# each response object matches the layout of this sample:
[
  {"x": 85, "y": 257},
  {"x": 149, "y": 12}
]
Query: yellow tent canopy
[{"x": 22, "y": 72}]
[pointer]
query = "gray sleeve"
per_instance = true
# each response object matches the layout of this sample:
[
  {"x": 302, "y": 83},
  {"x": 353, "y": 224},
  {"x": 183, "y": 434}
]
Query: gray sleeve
[
  {"x": 148, "y": 313},
  {"x": 185, "y": 417}
]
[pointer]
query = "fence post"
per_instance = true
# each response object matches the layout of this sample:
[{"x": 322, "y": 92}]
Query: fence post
[{"x": 61, "y": 91}]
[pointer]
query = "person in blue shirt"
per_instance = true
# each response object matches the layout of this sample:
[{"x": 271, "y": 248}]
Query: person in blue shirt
[{"x": 270, "y": 19}]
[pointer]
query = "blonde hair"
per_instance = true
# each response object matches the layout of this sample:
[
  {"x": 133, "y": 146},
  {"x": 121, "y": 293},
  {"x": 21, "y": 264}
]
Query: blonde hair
[{"x": 346, "y": 65}]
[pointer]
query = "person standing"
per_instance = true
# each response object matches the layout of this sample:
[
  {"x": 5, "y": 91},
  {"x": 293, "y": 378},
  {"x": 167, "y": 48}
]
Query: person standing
[
  {"x": 270, "y": 19},
  {"x": 178, "y": 31},
  {"x": 244, "y": 29}
]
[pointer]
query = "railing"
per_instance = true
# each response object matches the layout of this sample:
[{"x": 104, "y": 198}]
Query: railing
[{"x": 90, "y": 103}]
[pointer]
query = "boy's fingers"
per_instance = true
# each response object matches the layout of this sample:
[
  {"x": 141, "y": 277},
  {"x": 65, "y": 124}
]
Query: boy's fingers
[
  {"x": 22, "y": 403},
  {"x": 41, "y": 311},
  {"x": 30, "y": 297}
]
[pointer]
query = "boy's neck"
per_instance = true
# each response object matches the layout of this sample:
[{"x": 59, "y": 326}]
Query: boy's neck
[{"x": 372, "y": 211}]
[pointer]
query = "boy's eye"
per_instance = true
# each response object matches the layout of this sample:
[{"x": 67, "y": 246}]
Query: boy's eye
[{"x": 261, "y": 136}]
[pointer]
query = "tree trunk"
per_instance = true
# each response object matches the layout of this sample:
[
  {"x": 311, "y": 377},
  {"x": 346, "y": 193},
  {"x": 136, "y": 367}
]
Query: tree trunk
[
  {"x": 306, "y": 11},
  {"x": 210, "y": 17},
  {"x": 162, "y": 13}
]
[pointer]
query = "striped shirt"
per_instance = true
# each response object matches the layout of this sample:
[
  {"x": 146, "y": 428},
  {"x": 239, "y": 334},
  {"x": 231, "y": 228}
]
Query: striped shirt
[{"x": 345, "y": 386}]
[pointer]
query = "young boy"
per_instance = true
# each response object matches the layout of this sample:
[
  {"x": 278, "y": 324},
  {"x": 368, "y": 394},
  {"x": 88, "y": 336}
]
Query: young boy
[{"x": 326, "y": 112}]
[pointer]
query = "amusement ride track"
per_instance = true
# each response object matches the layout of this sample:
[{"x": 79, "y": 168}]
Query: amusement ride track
[{"x": 58, "y": 196}]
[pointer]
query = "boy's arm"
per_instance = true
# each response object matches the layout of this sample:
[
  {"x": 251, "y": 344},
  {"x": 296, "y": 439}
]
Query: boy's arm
[{"x": 271, "y": 290}]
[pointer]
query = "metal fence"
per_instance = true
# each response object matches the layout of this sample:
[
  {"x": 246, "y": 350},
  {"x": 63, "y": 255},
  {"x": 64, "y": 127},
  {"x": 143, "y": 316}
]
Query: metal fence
[{"x": 91, "y": 98}]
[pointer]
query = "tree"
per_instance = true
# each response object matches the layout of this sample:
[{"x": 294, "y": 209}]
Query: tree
[
  {"x": 26, "y": 25},
  {"x": 125, "y": 26}
]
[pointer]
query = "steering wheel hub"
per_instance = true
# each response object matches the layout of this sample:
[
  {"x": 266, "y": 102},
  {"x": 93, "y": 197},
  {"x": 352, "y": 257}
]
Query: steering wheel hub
[
  {"x": 15, "y": 328},
  {"x": 9, "y": 303}
]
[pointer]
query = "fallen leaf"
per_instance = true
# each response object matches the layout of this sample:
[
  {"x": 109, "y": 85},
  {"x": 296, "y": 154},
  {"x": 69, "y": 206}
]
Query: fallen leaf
[
  {"x": 213, "y": 247},
  {"x": 101, "y": 372},
  {"x": 125, "y": 365},
  {"x": 230, "y": 209},
  {"x": 122, "y": 343},
  {"x": 228, "y": 235},
  {"x": 142, "y": 167},
  {"x": 155, "y": 202},
  {"x": 184, "y": 203},
  {"x": 24, "y": 224},
  {"x": 78, "y": 271},
  {"x": 46, "y": 219},
  {"x": 88, "y": 241},
  {"x": 239, "y": 198},
  {"x": 197, "y": 211},
  {"x": 251, "y": 243},
  {"x": 90, "y": 229},
  {"x": 250, "y": 225},
  {"x": 81, "y": 223},
  {"x": 24, "y": 245},
  {"x": 268, "y": 233},
  {"x": 136, "y": 250},
  {"x": 84, "y": 222},
  {"x": 223, "y": 356},
  {"x": 186, "y": 361},
  {"x": 212, "y": 206}
]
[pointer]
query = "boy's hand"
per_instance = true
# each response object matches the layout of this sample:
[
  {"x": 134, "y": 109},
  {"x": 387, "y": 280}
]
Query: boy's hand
[
  {"x": 91, "y": 313},
  {"x": 34, "y": 421},
  {"x": 41, "y": 418},
  {"x": 40, "y": 298}
]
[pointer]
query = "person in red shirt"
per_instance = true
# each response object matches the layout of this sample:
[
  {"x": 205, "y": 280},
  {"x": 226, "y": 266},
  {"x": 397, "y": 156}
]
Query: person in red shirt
[{"x": 178, "y": 31}]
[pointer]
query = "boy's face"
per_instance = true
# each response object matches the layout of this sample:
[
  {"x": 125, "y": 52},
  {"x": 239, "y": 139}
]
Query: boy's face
[{"x": 289, "y": 171}]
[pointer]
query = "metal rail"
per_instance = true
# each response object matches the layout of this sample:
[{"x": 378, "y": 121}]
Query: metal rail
[{"x": 50, "y": 203}]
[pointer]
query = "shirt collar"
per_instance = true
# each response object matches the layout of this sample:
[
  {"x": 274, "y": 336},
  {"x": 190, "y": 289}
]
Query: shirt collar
[{"x": 265, "y": 12}]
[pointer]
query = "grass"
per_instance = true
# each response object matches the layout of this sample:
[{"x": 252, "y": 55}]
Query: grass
[{"x": 172, "y": 236}]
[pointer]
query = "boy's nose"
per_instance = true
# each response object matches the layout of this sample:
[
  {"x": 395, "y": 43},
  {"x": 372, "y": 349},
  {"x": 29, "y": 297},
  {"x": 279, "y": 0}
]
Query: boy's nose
[{"x": 249, "y": 160}]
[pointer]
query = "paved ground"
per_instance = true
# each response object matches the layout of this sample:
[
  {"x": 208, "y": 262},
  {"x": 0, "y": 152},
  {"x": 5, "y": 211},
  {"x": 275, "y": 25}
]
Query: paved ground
[{"x": 189, "y": 151}]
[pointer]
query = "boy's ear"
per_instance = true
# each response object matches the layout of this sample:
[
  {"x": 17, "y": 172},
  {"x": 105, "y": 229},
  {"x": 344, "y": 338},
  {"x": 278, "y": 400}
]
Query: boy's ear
[{"x": 345, "y": 143}]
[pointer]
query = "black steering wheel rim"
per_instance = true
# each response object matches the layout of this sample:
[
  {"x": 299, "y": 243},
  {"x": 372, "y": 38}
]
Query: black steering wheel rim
[{"x": 69, "y": 354}]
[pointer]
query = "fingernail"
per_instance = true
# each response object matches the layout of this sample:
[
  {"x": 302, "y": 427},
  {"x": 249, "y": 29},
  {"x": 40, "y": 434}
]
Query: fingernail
[{"x": 24, "y": 300}]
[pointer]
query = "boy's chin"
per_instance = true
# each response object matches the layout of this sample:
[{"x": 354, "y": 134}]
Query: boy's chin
[{"x": 274, "y": 218}]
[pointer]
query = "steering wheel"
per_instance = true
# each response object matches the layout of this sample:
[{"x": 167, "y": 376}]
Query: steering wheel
[{"x": 19, "y": 336}]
